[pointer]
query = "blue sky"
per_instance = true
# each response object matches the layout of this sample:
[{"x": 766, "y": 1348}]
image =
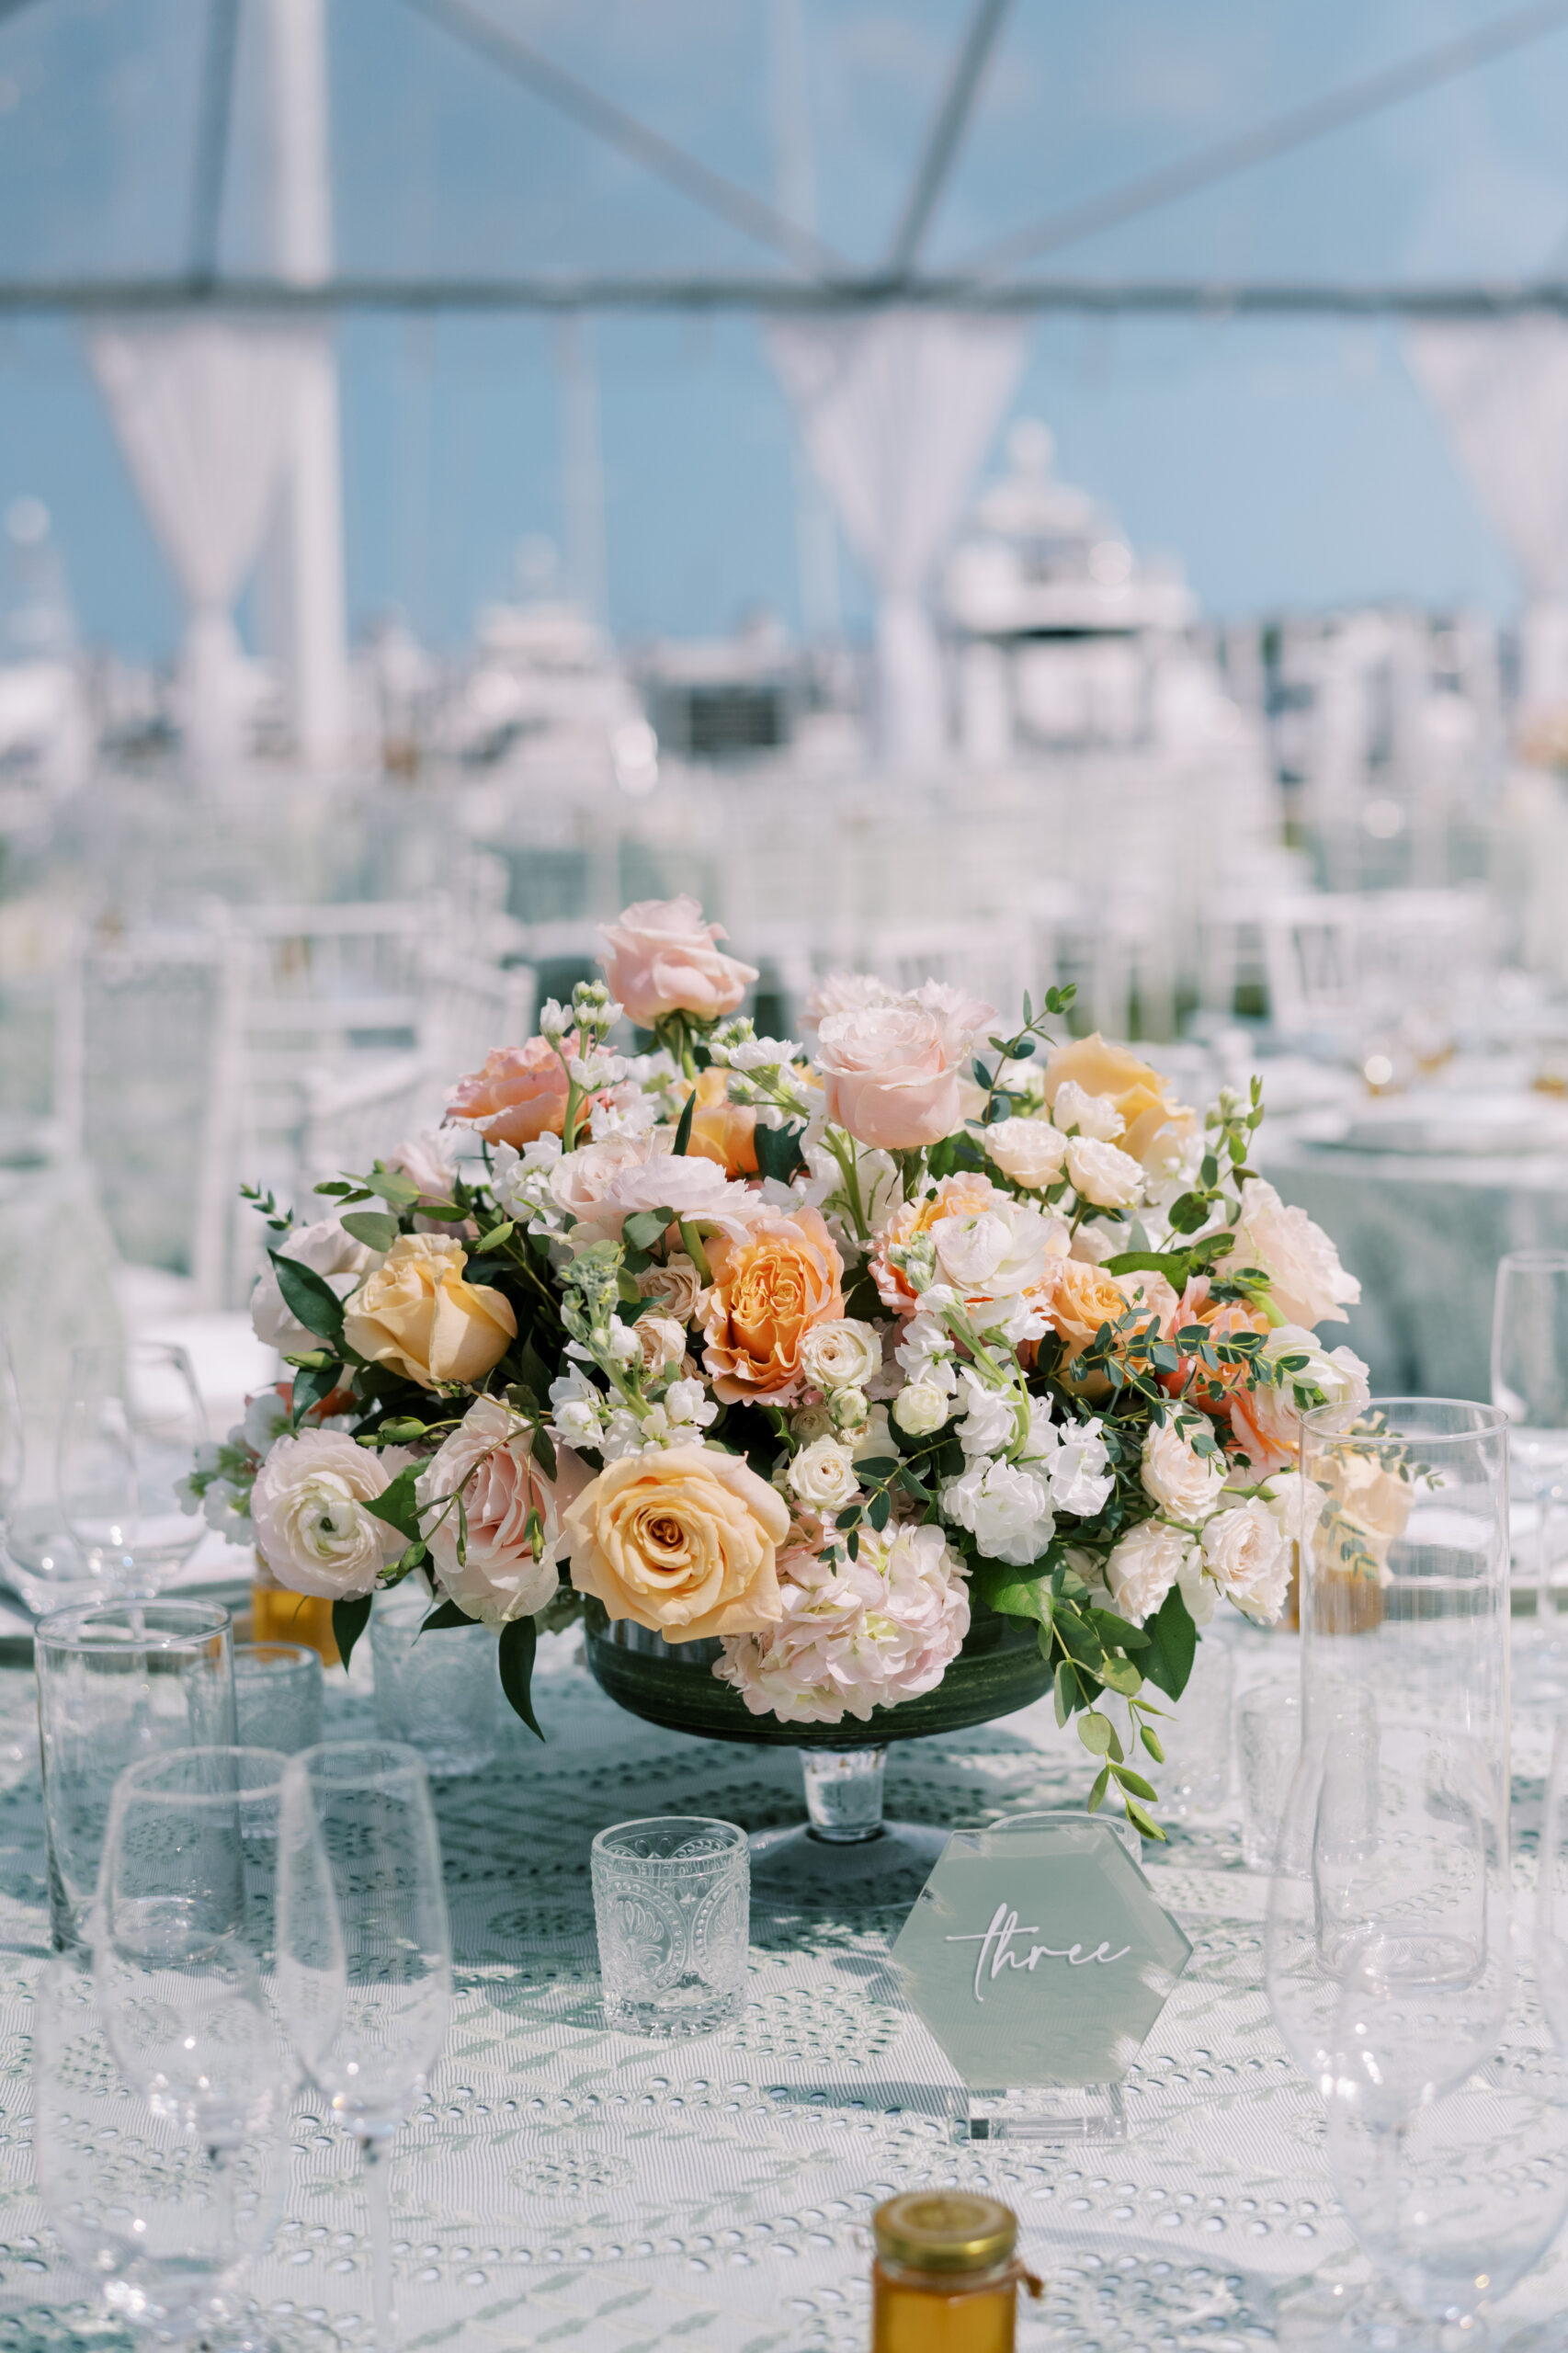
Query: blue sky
[{"x": 1286, "y": 465}]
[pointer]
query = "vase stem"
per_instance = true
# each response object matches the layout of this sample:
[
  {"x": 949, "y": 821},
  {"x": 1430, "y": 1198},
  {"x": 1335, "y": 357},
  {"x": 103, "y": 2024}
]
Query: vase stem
[{"x": 844, "y": 1793}]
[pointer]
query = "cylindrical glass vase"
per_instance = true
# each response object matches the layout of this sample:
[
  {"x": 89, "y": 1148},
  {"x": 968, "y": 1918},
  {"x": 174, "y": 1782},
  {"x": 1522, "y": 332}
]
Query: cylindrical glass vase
[
  {"x": 439, "y": 1693},
  {"x": 1393, "y": 1851}
]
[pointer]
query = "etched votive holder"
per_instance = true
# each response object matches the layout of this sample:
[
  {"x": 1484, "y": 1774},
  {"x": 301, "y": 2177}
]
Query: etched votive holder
[{"x": 672, "y": 1905}]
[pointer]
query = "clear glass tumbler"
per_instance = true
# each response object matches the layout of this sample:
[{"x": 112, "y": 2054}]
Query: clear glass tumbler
[
  {"x": 1268, "y": 1744},
  {"x": 1196, "y": 1777},
  {"x": 278, "y": 1695},
  {"x": 671, "y": 1903},
  {"x": 114, "y": 1685},
  {"x": 440, "y": 1692}
]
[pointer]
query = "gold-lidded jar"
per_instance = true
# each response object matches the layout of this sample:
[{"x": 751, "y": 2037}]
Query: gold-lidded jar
[{"x": 945, "y": 2280}]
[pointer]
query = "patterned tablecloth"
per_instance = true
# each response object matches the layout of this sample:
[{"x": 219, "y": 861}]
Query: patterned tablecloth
[{"x": 564, "y": 2185}]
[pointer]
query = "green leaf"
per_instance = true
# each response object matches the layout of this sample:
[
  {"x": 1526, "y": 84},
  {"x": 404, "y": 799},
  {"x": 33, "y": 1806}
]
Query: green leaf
[
  {"x": 497, "y": 1235},
  {"x": 1096, "y": 1732},
  {"x": 394, "y": 1187},
  {"x": 643, "y": 1229},
  {"x": 1150, "y": 1740},
  {"x": 683, "y": 1127},
  {"x": 310, "y": 1297},
  {"x": 778, "y": 1151},
  {"x": 446, "y": 1613},
  {"x": 876, "y": 1466},
  {"x": 1128, "y": 1779},
  {"x": 1096, "y": 1795},
  {"x": 1113, "y": 1629},
  {"x": 1141, "y": 1821},
  {"x": 1120, "y": 1675},
  {"x": 880, "y": 1512},
  {"x": 1172, "y": 1264},
  {"x": 1173, "y": 1645},
  {"x": 313, "y": 1384},
  {"x": 1189, "y": 1212},
  {"x": 397, "y": 1504},
  {"x": 543, "y": 1451},
  {"x": 1013, "y": 1594},
  {"x": 535, "y": 1373},
  {"x": 1069, "y": 1694},
  {"x": 350, "y": 1619},
  {"x": 519, "y": 1640},
  {"x": 375, "y": 1228}
]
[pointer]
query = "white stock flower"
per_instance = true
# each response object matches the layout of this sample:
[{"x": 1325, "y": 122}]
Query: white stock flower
[
  {"x": 842, "y": 1355},
  {"x": 1141, "y": 1568},
  {"x": 622, "y": 1343},
  {"x": 1185, "y": 1483},
  {"x": 1112, "y": 1179},
  {"x": 1080, "y": 1472},
  {"x": 926, "y": 1352},
  {"x": 1007, "y": 1510},
  {"x": 822, "y": 1475},
  {"x": 1093, "y": 1115},
  {"x": 327, "y": 1251},
  {"x": 265, "y": 1415},
  {"x": 1030, "y": 1151},
  {"x": 989, "y": 1424},
  {"x": 921, "y": 1409},
  {"x": 1249, "y": 1557},
  {"x": 627, "y": 1113},
  {"x": 520, "y": 1181},
  {"x": 763, "y": 1054},
  {"x": 688, "y": 1404},
  {"x": 576, "y": 1408},
  {"x": 1310, "y": 1286}
]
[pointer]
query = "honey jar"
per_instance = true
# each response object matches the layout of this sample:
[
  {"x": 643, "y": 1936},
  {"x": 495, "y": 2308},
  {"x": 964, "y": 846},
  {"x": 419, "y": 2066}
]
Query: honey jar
[
  {"x": 945, "y": 2279},
  {"x": 278, "y": 1616}
]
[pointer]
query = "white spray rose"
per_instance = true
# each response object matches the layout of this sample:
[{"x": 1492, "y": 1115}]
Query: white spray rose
[
  {"x": 1185, "y": 1483},
  {"x": 1112, "y": 1179},
  {"x": 1092, "y": 1115},
  {"x": 920, "y": 1408},
  {"x": 822, "y": 1476},
  {"x": 845, "y": 1355},
  {"x": 1145, "y": 1564},
  {"x": 312, "y": 1524},
  {"x": 1030, "y": 1151}
]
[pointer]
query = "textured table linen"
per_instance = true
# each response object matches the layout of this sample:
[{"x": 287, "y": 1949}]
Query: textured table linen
[{"x": 565, "y": 2186}]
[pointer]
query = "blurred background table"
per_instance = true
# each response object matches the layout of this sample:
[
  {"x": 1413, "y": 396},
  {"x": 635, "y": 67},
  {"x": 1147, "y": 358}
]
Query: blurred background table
[{"x": 561, "y": 2184}]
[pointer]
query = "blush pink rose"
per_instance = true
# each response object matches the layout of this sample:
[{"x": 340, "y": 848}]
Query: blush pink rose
[
  {"x": 662, "y": 960},
  {"x": 892, "y": 1071},
  {"x": 520, "y": 1096},
  {"x": 489, "y": 1460}
]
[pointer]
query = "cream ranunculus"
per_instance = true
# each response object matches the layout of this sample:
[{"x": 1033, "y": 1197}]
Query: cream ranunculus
[
  {"x": 1249, "y": 1559},
  {"x": 1029, "y": 1151},
  {"x": 1141, "y": 1569},
  {"x": 489, "y": 1461},
  {"x": 1185, "y": 1483},
  {"x": 845, "y": 1354},
  {"x": 417, "y": 1314},
  {"x": 311, "y": 1525},
  {"x": 682, "y": 1540},
  {"x": 1309, "y": 1285},
  {"x": 1112, "y": 1179},
  {"x": 328, "y": 1252},
  {"x": 663, "y": 959},
  {"x": 822, "y": 1476}
]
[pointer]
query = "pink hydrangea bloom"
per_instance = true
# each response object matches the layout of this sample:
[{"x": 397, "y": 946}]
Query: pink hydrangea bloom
[{"x": 855, "y": 1634}]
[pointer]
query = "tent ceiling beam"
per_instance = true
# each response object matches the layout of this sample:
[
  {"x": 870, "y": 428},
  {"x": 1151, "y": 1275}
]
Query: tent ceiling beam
[
  {"x": 947, "y": 135},
  {"x": 725, "y": 199},
  {"x": 1214, "y": 300}
]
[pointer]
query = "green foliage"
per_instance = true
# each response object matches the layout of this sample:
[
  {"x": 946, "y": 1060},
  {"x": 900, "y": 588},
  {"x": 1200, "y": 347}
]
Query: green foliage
[
  {"x": 311, "y": 1298},
  {"x": 1173, "y": 1645},
  {"x": 519, "y": 1645},
  {"x": 350, "y": 1619}
]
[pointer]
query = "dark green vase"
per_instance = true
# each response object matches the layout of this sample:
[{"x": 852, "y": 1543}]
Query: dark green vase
[{"x": 845, "y": 1858}]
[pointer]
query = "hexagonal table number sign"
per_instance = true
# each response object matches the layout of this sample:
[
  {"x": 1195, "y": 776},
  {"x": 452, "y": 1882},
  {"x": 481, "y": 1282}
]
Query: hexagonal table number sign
[{"x": 1040, "y": 1959}]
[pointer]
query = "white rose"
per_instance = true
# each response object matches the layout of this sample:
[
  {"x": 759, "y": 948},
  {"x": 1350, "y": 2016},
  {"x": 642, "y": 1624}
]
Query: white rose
[
  {"x": 328, "y": 1252},
  {"x": 1185, "y": 1483},
  {"x": 1310, "y": 1286},
  {"x": 1296, "y": 1504},
  {"x": 1249, "y": 1559},
  {"x": 822, "y": 1475},
  {"x": 311, "y": 1525},
  {"x": 846, "y": 1355},
  {"x": 1141, "y": 1569},
  {"x": 661, "y": 1341},
  {"x": 1007, "y": 1510},
  {"x": 1030, "y": 1151},
  {"x": 677, "y": 1285},
  {"x": 1093, "y": 1115},
  {"x": 920, "y": 1408},
  {"x": 1101, "y": 1173}
]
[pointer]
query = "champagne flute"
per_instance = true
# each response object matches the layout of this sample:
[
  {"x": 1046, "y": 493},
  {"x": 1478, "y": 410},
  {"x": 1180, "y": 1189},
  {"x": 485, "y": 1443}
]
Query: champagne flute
[
  {"x": 132, "y": 1422},
  {"x": 364, "y": 1953},
  {"x": 1530, "y": 1381}
]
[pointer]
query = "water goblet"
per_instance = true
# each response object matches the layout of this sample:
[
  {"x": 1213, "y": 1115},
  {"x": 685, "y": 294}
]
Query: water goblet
[
  {"x": 1530, "y": 1381},
  {"x": 132, "y": 1422},
  {"x": 364, "y": 1953}
]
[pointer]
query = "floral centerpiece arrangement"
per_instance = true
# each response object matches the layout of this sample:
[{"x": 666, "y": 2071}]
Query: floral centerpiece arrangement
[{"x": 813, "y": 1347}]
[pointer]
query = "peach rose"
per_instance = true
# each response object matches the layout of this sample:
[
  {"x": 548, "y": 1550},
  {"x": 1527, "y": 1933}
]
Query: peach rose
[
  {"x": 417, "y": 1314},
  {"x": 892, "y": 1072},
  {"x": 768, "y": 1291},
  {"x": 489, "y": 1461},
  {"x": 1222, "y": 1320},
  {"x": 1154, "y": 1123},
  {"x": 518, "y": 1096},
  {"x": 721, "y": 1130},
  {"x": 1076, "y": 1299},
  {"x": 662, "y": 960},
  {"x": 683, "y": 1541}
]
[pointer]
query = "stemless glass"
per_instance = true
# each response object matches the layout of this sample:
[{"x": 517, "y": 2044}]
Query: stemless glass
[
  {"x": 132, "y": 2196},
  {"x": 439, "y": 1693},
  {"x": 182, "y": 1936},
  {"x": 278, "y": 1695},
  {"x": 1395, "y": 1831},
  {"x": 1530, "y": 1381},
  {"x": 133, "y": 1419},
  {"x": 671, "y": 1903},
  {"x": 114, "y": 1685},
  {"x": 364, "y": 1952}
]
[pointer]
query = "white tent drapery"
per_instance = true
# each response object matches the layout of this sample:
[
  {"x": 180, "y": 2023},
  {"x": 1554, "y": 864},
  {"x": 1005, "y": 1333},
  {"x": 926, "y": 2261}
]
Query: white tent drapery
[
  {"x": 202, "y": 409},
  {"x": 1501, "y": 388},
  {"x": 896, "y": 412}
]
